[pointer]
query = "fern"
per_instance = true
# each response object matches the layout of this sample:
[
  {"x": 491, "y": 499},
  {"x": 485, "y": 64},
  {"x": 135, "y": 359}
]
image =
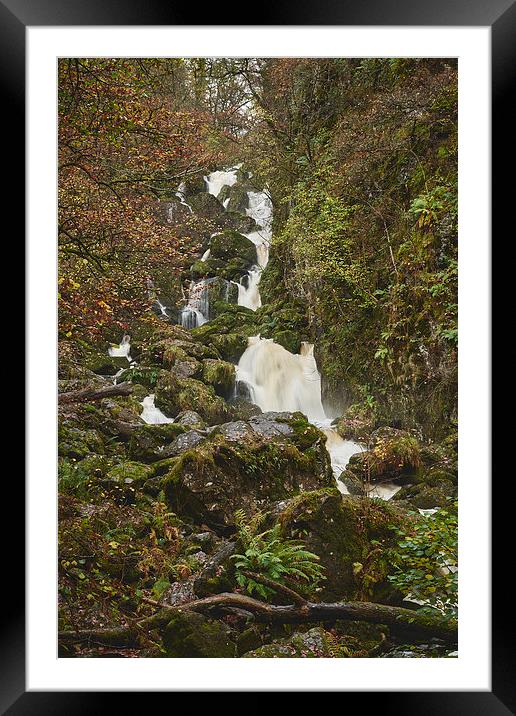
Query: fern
[{"x": 269, "y": 554}]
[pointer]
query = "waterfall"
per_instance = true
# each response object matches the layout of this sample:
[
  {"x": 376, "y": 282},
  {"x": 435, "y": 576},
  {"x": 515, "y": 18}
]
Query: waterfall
[
  {"x": 180, "y": 193},
  {"x": 151, "y": 414},
  {"x": 216, "y": 180},
  {"x": 249, "y": 295},
  {"x": 277, "y": 380},
  {"x": 206, "y": 255},
  {"x": 260, "y": 209},
  {"x": 197, "y": 310},
  {"x": 123, "y": 350}
]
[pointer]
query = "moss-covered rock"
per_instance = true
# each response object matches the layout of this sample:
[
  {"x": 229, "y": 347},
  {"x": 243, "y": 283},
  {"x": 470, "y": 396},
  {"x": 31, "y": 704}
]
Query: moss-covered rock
[
  {"x": 357, "y": 423},
  {"x": 129, "y": 472},
  {"x": 312, "y": 644},
  {"x": 228, "y": 244},
  {"x": 206, "y": 206},
  {"x": 394, "y": 455},
  {"x": 147, "y": 441},
  {"x": 239, "y": 222},
  {"x": 192, "y": 635},
  {"x": 76, "y": 443},
  {"x": 350, "y": 535},
  {"x": 220, "y": 374},
  {"x": 245, "y": 466},
  {"x": 174, "y": 395},
  {"x": 238, "y": 198}
]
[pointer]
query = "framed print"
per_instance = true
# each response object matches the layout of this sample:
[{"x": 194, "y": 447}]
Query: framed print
[{"x": 258, "y": 290}]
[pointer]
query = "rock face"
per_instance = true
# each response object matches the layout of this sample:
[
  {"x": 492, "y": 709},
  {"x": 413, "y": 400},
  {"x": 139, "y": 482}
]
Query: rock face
[{"x": 247, "y": 465}]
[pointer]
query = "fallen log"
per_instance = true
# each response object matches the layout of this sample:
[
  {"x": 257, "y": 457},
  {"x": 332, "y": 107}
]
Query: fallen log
[
  {"x": 94, "y": 393},
  {"x": 400, "y": 620}
]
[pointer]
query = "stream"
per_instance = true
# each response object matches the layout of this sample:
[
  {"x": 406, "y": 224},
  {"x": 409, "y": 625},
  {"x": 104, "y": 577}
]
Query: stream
[{"x": 273, "y": 378}]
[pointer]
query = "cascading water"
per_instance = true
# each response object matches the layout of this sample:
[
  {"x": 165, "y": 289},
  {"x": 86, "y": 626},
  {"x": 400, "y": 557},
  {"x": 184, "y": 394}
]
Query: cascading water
[
  {"x": 197, "y": 310},
  {"x": 277, "y": 380},
  {"x": 180, "y": 193},
  {"x": 152, "y": 415},
  {"x": 259, "y": 209},
  {"x": 123, "y": 350},
  {"x": 219, "y": 179}
]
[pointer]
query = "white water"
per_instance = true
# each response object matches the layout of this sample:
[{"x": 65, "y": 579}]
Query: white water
[
  {"x": 260, "y": 209},
  {"x": 196, "y": 311},
  {"x": 151, "y": 414},
  {"x": 180, "y": 193},
  {"x": 206, "y": 255},
  {"x": 123, "y": 350},
  {"x": 282, "y": 381},
  {"x": 249, "y": 295},
  {"x": 217, "y": 180}
]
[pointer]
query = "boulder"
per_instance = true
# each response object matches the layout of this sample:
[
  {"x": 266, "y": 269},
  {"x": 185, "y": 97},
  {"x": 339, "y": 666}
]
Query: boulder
[
  {"x": 395, "y": 455},
  {"x": 220, "y": 374},
  {"x": 206, "y": 206},
  {"x": 77, "y": 443},
  {"x": 245, "y": 465},
  {"x": 192, "y": 635},
  {"x": 129, "y": 472},
  {"x": 175, "y": 395},
  {"x": 147, "y": 441},
  {"x": 351, "y": 536},
  {"x": 229, "y": 244},
  {"x": 314, "y": 643},
  {"x": 190, "y": 419}
]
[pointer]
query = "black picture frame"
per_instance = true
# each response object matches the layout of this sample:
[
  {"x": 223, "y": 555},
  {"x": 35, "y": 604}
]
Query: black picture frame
[{"x": 500, "y": 16}]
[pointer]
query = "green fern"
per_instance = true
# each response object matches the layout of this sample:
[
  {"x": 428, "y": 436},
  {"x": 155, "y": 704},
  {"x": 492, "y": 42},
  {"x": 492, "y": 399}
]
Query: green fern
[{"x": 269, "y": 554}]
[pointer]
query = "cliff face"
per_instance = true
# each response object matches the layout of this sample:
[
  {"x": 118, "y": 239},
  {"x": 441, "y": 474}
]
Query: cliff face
[{"x": 367, "y": 236}]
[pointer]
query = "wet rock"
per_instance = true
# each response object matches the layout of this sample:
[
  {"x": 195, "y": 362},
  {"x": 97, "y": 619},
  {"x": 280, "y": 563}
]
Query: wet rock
[
  {"x": 206, "y": 206},
  {"x": 395, "y": 456},
  {"x": 190, "y": 419},
  {"x": 182, "y": 443},
  {"x": 175, "y": 395},
  {"x": 220, "y": 374},
  {"x": 229, "y": 244},
  {"x": 238, "y": 222},
  {"x": 147, "y": 441},
  {"x": 242, "y": 409}
]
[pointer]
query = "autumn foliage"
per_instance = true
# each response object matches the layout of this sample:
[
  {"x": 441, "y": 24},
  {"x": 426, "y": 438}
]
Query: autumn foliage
[{"x": 127, "y": 138}]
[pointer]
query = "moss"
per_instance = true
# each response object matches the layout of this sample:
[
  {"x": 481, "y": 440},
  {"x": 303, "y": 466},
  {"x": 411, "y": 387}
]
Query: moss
[
  {"x": 229, "y": 244},
  {"x": 220, "y": 374},
  {"x": 128, "y": 472},
  {"x": 76, "y": 443},
  {"x": 146, "y": 440},
  {"x": 211, "y": 481},
  {"x": 191, "y": 635},
  {"x": 174, "y": 394},
  {"x": 341, "y": 531}
]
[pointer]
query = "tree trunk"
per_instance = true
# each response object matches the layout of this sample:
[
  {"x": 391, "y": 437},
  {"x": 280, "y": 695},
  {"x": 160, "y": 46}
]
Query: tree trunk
[
  {"x": 91, "y": 393},
  {"x": 401, "y": 621}
]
